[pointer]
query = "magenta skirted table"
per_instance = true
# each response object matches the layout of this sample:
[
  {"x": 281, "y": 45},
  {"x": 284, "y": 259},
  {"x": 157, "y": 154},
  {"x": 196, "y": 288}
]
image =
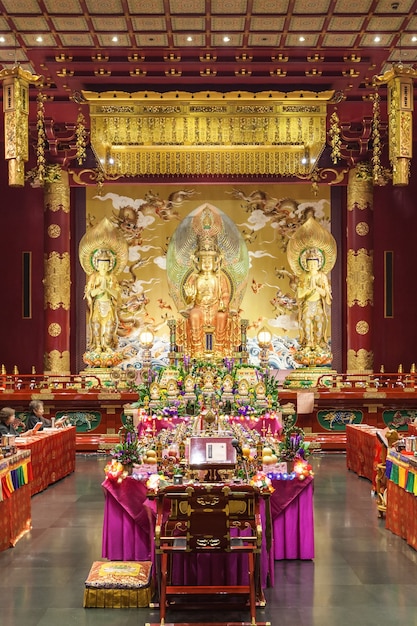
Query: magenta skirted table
[
  {"x": 129, "y": 519},
  {"x": 293, "y": 519}
]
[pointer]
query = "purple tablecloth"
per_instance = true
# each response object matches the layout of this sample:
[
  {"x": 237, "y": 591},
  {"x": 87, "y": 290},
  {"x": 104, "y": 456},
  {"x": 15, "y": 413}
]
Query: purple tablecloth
[
  {"x": 293, "y": 519},
  {"x": 128, "y": 531},
  {"x": 129, "y": 521}
]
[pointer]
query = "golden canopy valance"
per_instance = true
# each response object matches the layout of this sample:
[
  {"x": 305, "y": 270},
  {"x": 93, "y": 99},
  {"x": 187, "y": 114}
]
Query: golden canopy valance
[{"x": 207, "y": 133}]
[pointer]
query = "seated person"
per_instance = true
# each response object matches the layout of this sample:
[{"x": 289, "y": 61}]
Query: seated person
[
  {"x": 7, "y": 418},
  {"x": 36, "y": 415}
]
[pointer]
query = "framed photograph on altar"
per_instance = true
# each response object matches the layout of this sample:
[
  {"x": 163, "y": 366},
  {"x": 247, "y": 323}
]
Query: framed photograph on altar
[{"x": 211, "y": 451}]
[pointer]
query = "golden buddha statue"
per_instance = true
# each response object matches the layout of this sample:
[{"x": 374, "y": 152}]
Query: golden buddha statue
[
  {"x": 207, "y": 268},
  {"x": 207, "y": 294}
]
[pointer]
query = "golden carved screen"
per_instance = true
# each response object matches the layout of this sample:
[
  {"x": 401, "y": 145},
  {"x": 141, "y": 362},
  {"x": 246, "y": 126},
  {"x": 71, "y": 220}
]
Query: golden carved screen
[{"x": 207, "y": 133}]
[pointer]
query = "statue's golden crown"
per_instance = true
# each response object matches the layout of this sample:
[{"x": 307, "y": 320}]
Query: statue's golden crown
[
  {"x": 207, "y": 246},
  {"x": 314, "y": 254}
]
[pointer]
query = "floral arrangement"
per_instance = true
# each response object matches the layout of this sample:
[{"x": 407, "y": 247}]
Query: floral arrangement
[
  {"x": 293, "y": 445},
  {"x": 128, "y": 451},
  {"x": 115, "y": 470},
  {"x": 262, "y": 482},
  {"x": 156, "y": 482}
]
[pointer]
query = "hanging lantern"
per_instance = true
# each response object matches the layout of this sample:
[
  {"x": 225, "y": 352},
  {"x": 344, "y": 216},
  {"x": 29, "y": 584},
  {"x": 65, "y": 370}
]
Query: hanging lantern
[
  {"x": 16, "y": 83},
  {"x": 400, "y": 119}
]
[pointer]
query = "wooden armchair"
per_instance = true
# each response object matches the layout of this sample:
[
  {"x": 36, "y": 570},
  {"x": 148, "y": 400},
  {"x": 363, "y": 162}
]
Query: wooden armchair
[{"x": 208, "y": 518}]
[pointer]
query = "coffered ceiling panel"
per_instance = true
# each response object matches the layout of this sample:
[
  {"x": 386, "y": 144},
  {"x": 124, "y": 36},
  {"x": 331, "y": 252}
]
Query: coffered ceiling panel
[
  {"x": 63, "y": 6},
  {"x": 229, "y": 7},
  {"x": 188, "y": 23},
  {"x": 108, "y": 7},
  {"x": 311, "y": 6},
  {"x": 185, "y": 6},
  {"x": 69, "y": 23},
  {"x": 270, "y": 6}
]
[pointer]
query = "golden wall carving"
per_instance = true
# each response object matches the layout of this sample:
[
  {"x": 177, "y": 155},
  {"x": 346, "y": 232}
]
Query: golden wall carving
[
  {"x": 362, "y": 229},
  {"x": 360, "y": 361},
  {"x": 360, "y": 190},
  {"x": 56, "y": 361},
  {"x": 362, "y": 327},
  {"x": 57, "y": 194},
  {"x": 54, "y": 231},
  {"x": 207, "y": 133},
  {"x": 54, "y": 329},
  {"x": 360, "y": 277},
  {"x": 56, "y": 282}
]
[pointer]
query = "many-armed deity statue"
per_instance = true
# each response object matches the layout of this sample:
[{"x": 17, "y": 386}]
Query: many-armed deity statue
[
  {"x": 103, "y": 254},
  {"x": 311, "y": 254},
  {"x": 207, "y": 267}
]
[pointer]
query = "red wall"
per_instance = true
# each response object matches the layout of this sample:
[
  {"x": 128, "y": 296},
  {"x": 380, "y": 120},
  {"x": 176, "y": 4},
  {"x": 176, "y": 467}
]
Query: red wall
[
  {"x": 395, "y": 229},
  {"x": 21, "y": 227}
]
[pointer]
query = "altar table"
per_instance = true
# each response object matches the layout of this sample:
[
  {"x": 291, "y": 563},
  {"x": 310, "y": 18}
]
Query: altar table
[
  {"x": 362, "y": 450},
  {"x": 129, "y": 519},
  {"x": 53, "y": 455},
  {"x": 15, "y": 494}
]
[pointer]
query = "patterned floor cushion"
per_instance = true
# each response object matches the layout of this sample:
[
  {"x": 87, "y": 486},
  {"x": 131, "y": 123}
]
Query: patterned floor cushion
[{"x": 118, "y": 585}]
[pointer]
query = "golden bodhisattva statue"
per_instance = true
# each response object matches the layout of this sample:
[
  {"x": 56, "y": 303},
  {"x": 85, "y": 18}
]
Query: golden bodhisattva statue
[
  {"x": 311, "y": 254},
  {"x": 103, "y": 255},
  {"x": 313, "y": 296},
  {"x": 102, "y": 293}
]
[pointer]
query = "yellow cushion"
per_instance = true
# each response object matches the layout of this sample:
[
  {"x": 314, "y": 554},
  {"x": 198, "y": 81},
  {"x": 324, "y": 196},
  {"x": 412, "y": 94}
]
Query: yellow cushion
[{"x": 118, "y": 585}]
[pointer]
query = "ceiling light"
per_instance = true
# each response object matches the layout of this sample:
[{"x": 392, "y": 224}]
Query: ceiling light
[
  {"x": 302, "y": 38},
  {"x": 414, "y": 38},
  {"x": 39, "y": 39},
  {"x": 115, "y": 39},
  {"x": 2, "y": 39},
  {"x": 226, "y": 38},
  {"x": 189, "y": 38},
  {"x": 377, "y": 39}
]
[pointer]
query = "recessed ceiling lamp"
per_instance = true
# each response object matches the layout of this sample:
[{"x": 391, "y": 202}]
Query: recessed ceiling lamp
[
  {"x": 226, "y": 39},
  {"x": 2, "y": 39},
  {"x": 301, "y": 38},
  {"x": 115, "y": 39},
  {"x": 377, "y": 39},
  {"x": 39, "y": 39},
  {"x": 189, "y": 38}
]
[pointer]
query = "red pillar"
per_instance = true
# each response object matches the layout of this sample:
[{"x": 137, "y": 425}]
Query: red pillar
[
  {"x": 57, "y": 279},
  {"x": 360, "y": 292}
]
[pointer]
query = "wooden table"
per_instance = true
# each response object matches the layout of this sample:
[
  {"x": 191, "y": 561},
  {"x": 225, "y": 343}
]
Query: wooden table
[
  {"x": 129, "y": 519},
  {"x": 15, "y": 494},
  {"x": 53, "y": 455},
  {"x": 362, "y": 450}
]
